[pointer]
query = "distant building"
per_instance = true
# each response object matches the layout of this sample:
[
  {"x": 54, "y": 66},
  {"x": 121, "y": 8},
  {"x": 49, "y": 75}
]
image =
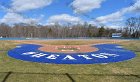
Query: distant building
[
  {"x": 116, "y": 35},
  {"x": 1, "y": 37}
]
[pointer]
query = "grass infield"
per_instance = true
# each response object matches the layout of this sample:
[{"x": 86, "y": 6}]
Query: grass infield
[{"x": 127, "y": 71}]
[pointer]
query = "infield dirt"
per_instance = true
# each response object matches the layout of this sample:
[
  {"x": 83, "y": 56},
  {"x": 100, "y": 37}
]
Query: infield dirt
[{"x": 81, "y": 46}]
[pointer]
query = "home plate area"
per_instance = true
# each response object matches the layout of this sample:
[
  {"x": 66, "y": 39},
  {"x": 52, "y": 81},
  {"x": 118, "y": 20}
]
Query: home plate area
[{"x": 81, "y": 54}]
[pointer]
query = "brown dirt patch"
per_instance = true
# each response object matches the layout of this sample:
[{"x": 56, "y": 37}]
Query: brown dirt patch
[
  {"x": 82, "y": 46},
  {"x": 77, "y": 48}
]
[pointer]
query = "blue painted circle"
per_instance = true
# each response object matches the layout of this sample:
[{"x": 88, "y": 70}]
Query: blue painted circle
[{"x": 107, "y": 53}]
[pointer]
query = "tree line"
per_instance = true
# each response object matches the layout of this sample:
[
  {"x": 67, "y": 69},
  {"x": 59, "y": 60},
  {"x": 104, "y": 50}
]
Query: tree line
[{"x": 131, "y": 30}]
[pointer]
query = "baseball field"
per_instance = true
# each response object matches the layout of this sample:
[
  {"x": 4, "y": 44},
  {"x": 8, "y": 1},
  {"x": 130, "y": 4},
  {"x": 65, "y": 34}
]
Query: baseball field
[{"x": 13, "y": 70}]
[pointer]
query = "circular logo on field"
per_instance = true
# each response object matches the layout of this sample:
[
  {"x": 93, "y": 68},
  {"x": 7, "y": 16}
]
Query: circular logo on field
[{"x": 107, "y": 53}]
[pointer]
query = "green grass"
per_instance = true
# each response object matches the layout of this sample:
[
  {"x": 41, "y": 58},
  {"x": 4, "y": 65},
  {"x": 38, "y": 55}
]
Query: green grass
[
  {"x": 113, "y": 72},
  {"x": 2, "y": 75},
  {"x": 37, "y": 78}
]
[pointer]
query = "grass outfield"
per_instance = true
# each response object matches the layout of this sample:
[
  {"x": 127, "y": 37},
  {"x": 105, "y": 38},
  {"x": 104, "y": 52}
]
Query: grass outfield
[{"x": 127, "y": 71}]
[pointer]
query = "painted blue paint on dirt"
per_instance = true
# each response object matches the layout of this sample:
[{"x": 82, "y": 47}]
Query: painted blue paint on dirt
[{"x": 107, "y": 53}]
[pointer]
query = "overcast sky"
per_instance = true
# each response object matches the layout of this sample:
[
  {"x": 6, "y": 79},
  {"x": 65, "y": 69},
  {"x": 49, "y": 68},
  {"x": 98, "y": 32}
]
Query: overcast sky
[{"x": 108, "y": 12}]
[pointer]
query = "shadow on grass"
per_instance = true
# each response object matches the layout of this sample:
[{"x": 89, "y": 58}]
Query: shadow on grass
[{"x": 68, "y": 75}]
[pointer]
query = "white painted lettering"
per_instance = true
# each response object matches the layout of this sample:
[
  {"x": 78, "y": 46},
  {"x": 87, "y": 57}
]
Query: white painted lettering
[
  {"x": 38, "y": 55},
  {"x": 99, "y": 56},
  {"x": 53, "y": 57},
  {"x": 85, "y": 56},
  {"x": 68, "y": 57},
  {"x": 107, "y": 54},
  {"x": 29, "y": 53}
]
